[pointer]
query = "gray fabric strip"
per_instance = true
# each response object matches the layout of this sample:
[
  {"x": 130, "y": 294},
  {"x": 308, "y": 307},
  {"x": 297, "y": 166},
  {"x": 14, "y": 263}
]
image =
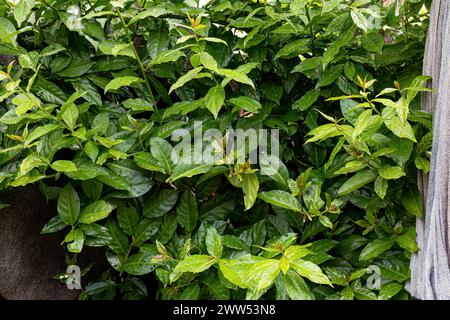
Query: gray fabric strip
[{"x": 430, "y": 269}]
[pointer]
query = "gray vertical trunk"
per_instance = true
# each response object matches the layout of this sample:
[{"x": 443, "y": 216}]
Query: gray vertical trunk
[{"x": 430, "y": 272}]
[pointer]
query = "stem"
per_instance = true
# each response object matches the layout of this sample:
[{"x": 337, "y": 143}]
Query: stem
[
  {"x": 91, "y": 7},
  {"x": 141, "y": 66},
  {"x": 38, "y": 156},
  {"x": 6, "y": 2},
  {"x": 126, "y": 258},
  {"x": 46, "y": 3},
  {"x": 407, "y": 19},
  {"x": 311, "y": 31}
]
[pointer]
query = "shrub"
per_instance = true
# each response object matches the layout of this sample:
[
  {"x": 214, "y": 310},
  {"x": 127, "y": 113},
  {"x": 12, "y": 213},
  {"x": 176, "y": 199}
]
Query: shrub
[{"x": 95, "y": 89}]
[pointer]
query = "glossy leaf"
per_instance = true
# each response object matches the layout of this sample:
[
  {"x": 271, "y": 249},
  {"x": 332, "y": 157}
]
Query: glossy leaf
[
  {"x": 68, "y": 205},
  {"x": 95, "y": 211}
]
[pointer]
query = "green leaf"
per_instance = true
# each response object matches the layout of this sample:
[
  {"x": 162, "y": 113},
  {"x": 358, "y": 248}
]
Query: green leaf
[
  {"x": 146, "y": 161},
  {"x": 294, "y": 48},
  {"x": 40, "y": 132},
  {"x": 128, "y": 219},
  {"x": 250, "y": 185},
  {"x": 150, "y": 12},
  {"x": 402, "y": 149},
  {"x": 160, "y": 203},
  {"x": 330, "y": 75},
  {"x": 139, "y": 264},
  {"x": 99, "y": 287},
  {"x": 415, "y": 87},
  {"x": 352, "y": 166},
  {"x": 96, "y": 235},
  {"x": 411, "y": 200},
  {"x": 161, "y": 150},
  {"x": 121, "y": 82},
  {"x": 119, "y": 243},
  {"x": 218, "y": 290},
  {"x": 350, "y": 109},
  {"x": 359, "y": 180},
  {"x": 281, "y": 199},
  {"x": 263, "y": 274},
  {"x": 208, "y": 61},
  {"x": 48, "y": 91},
  {"x": 115, "y": 48},
  {"x": 215, "y": 99},
  {"x": 25, "y": 102},
  {"x": 350, "y": 70},
  {"x": 144, "y": 231},
  {"x": 237, "y": 271},
  {"x": 69, "y": 114},
  {"x": 64, "y": 166},
  {"x": 138, "y": 105},
  {"x": 213, "y": 242},
  {"x": 422, "y": 164},
  {"x": 246, "y": 103},
  {"x": 373, "y": 41},
  {"x": 275, "y": 169},
  {"x": 54, "y": 225},
  {"x": 29, "y": 60},
  {"x": 22, "y": 10},
  {"x": 158, "y": 42},
  {"x": 234, "y": 242},
  {"x": 357, "y": 274},
  {"x": 195, "y": 264},
  {"x": 399, "y": 128},
  {"x": 347, "y": 293},
  {"x": 391, "y": 173},
  {"x": 359, "y": 19},
  {"x": 213, "y": 39},
  {"x": 381, "y": 186},
  {"x": 296, "y": 287},
  {"x": 167, "y": 56},
  {"x": 310, "y": 271},
  {"x": 189, "y": 76},
  {"x": 362, "y": 293},
  {"x": 76, "y": 238},
  {"x": 375, "y": 248},
  {"x": 330, "y": 5},
  {"x": 91, "y": 149},
  {"x": 7, "y": 31},
  {"x": 187, "y": 212},
  {"x": 168, "y": 227},
  {"x": 29, "y": 163},
  {"x": 92, "y": 95},
  {"x": 389, "y": 290},
  {"x": 52, "y": 49},
  {"x": 96, "y": 211},
  {"x": 188, "y": 170},
  {"x": 192, "y": 292},
  {"x": 362, "y": 123},
  {"x": 92, "y": 189},
  {"x": 323, "y": 132},
  {"x": 236, "y": 76},
  {"x": 308, "y": 64},
  {"x": 325, "y": 221},
  {"x": 183, "y": 108},
  {"x": 407, "y": 240},
  {"x": 297, "y": 252},
  {"x": 68, "y": 205},
  {"x": 307, "y": 100},
  {"x": 76, "y": 68}
]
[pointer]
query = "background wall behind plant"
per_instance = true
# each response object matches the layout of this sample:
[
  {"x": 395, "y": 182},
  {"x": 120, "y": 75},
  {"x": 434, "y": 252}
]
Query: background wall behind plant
[{"x": 95, "y": 89}]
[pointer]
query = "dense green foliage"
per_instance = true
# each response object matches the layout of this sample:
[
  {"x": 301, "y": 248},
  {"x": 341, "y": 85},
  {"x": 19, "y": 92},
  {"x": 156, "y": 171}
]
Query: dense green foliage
[{"x": 96, "y": 88}]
